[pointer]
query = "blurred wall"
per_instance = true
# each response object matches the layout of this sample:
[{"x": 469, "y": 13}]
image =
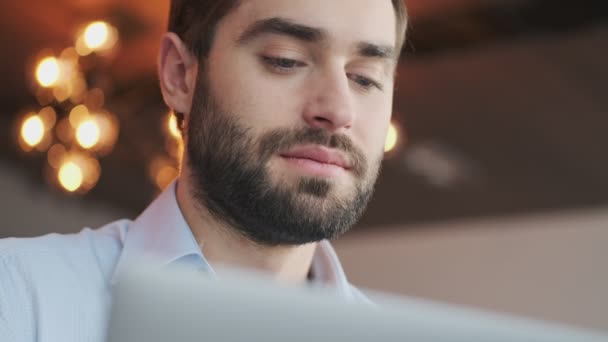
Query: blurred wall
[
  {"x": 29, "y": 209},
  {"x": 545, "y": 266}
]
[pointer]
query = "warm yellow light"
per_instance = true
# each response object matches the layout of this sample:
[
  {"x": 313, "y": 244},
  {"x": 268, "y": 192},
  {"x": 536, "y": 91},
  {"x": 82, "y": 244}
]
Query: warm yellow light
[
  {"x": 61, "y": 93},
  {"x": 88, "y": 133},
  {"x": 32, "y": 130},
  {"x": 78, "y": 114},
  {"x": 48, "y": 117},
  {"x": 55, "y": 155},
  {"x": 108, "y": 128},
  {"x": 96, "y": 35},
  {"x": 165, "y": 175},
  {"x": 70, "y": 176},
  {"x": 81, "y": 47},
  {"x": 173, "y": 129},
  {"x": 48, "y": 72},
  {"x": 79, "y": 88},
  {"x": 392, "y": 137}
]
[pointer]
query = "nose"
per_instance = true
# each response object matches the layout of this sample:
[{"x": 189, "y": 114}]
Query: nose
[{"x": 331, "y": 104}]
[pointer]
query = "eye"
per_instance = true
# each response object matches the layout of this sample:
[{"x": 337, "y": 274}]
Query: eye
[
  {"x": 282, "y": 64},
  {"x": 365, "y": 82}
]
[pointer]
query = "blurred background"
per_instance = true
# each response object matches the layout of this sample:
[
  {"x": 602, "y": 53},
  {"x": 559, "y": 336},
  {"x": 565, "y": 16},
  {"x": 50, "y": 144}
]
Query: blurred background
[{"x": 494, "y": 192}]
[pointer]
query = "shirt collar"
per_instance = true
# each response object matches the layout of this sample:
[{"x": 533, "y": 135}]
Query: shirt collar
[{"x": 161, "y": 234}]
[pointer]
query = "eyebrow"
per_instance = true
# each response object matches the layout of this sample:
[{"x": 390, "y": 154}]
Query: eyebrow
[
  {"x": 287, "y": 27},
  {"x": 376, "y": 51},
  {"x": 282, "y": 26}
]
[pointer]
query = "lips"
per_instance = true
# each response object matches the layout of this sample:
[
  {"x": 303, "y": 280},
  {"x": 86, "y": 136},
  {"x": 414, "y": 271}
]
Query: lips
[{"x": 320, "y": 155}]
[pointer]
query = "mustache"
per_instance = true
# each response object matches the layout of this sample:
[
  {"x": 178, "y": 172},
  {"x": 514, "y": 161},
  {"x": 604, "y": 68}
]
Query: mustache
[{"x": 280, "y": 140}]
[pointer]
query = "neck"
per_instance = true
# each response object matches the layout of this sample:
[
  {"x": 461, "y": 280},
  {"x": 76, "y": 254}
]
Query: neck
[{"x": 222, "y": 244}]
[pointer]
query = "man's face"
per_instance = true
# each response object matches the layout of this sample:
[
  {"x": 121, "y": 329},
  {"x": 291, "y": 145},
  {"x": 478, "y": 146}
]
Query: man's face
[{"x": 288, "y": 123}]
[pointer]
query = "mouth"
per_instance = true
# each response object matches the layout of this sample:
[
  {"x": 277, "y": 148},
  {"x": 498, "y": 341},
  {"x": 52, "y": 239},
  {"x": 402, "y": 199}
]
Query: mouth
[{"x": 317, "y": 160}]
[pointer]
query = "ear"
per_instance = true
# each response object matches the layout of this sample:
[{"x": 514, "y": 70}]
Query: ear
[{"x": 177, "y": 72}]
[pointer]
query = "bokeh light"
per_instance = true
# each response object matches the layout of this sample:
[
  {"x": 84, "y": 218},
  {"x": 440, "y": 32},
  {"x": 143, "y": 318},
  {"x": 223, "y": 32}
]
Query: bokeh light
[
  {"x": 109, "y": 128},
  {"x": 70, "y": 176},
  {"x": 78, "y": 114},
  {"x": 32, "y": 130},
  {"x": 162, "y": 171},
  {"x": 48, "y": 117},
  {"x": 88, "y": 133},
  {"x": 77, "y": 171},
  {"x": 96, "y": 34},
  {"x": 64, "y": 131},
  {"x": 61, "y": 93},
  {"x": 70, "y": 81},
  {"x": 62, "y": 75},
  {"x": 44, "y": 96},
  {"x": 73, "y": 142},
  {"x": 56, "y": 155},
  {"x": 175, "y": 149},
  {"x": 78, "y": 89},
  {"x": 48, "y": 72},
  {"x": 392, "y": 137},
  {"x": 69, "y": 55},
  {"x": 172, "y": 126},
  {"x": 165, "y": 176}
]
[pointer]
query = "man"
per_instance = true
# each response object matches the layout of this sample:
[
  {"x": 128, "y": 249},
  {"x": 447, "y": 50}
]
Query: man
[{"x": 284, "y": 105}]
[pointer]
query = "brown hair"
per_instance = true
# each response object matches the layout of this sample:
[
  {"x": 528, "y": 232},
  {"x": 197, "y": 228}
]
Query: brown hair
[{"x": 195, "y": 22}]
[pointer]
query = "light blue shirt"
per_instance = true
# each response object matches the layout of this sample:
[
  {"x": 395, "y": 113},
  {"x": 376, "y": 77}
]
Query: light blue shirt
[{"x": 58, "y": 287}]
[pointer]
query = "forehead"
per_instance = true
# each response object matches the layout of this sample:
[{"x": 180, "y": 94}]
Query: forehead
[{"x": 346, "y": 21}]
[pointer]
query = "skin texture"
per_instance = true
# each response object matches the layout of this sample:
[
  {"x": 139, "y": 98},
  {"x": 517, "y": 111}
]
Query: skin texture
[{"x": 267, "y": 81}]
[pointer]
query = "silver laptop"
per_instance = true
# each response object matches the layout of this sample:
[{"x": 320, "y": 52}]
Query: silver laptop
[{"x": 180, "y": 306}]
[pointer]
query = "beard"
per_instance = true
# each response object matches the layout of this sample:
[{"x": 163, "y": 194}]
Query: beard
[{"x": 229, "y": 170}]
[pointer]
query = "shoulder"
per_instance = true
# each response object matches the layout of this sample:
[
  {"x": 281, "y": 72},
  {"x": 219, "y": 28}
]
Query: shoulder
[
  {"x": 84, "y": 252},
  {"x": 48, "y": 281}
]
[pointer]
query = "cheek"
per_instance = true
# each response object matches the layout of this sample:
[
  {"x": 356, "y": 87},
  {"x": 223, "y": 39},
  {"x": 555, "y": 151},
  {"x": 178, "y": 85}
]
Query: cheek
[
  {"x": 372, "y": 125},
  {"x": 258, "y": 101}
]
